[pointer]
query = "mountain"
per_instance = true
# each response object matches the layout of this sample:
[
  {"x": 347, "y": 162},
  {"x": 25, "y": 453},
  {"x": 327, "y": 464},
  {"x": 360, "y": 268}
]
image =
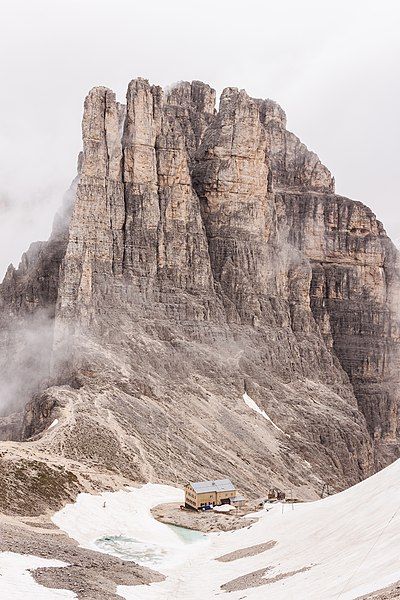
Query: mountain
[{"x": 201, "y": 257}]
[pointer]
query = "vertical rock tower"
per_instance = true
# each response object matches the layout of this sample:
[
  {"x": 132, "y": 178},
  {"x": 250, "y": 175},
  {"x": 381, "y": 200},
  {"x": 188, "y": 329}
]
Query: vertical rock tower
[{"x": 203, "y": 254}]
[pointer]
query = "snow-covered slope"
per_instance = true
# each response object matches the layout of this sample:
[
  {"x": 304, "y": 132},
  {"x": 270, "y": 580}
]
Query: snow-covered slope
[{"x": 338, "y": 548}]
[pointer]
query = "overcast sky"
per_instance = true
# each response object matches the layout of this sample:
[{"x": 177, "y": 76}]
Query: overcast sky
[{"x": 332, "y": 65}]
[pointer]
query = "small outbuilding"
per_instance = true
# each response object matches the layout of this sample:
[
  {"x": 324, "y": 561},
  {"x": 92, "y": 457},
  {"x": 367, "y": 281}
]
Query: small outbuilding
[
  {"x": 207, "y": 494},
  {"x": 238, "y": 501},
  {"x": 275, "y": 494}
]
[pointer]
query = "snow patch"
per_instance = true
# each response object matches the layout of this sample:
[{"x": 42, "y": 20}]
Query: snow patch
[
  {"x": 17, "y": 583},
  {"x": 224, "y": 508},
  {"x": 251, "y": 404},
  {"x": 54, "y": 423}
]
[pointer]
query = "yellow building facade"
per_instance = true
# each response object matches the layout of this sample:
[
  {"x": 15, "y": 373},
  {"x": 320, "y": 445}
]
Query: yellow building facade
[{"x": 202, "y": 494}]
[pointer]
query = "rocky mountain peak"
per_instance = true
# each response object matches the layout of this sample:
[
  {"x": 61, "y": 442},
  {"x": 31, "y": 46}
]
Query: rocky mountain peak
[{"x": 203, "y": 253}]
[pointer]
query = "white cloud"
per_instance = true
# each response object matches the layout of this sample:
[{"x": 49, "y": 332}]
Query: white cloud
[{"x": 332, "y": 66}]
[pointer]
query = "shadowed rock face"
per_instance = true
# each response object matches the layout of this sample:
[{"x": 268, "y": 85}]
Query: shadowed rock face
[
  {"x": 207, "y": 254},
  {"x": 354, "y": 297}
]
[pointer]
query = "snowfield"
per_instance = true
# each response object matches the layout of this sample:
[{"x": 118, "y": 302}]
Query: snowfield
[
  {"x": 339, "y": 548},
  {"x": 121, "y": 523}
]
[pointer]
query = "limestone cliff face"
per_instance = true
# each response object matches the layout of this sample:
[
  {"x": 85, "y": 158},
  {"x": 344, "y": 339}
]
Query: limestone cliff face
[
  {"x": 293, "y": 166},
  {"x": 206, "y": 254},
  {"x": 354, "y": 297}
]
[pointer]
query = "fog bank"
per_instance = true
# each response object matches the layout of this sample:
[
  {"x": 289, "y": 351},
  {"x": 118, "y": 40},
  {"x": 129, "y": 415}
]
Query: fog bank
[{"x": 331, "y": 66}]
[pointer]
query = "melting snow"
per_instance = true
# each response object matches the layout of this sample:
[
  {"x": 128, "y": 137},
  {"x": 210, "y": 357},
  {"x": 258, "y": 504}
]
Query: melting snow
[
  {"x": 224, "y": 508},
  {"x": 120, "y": 523},
  {"x": 251, "y": 404},
  {"x": 17, "y": 583},
  {"x": 339, "y": 548}
]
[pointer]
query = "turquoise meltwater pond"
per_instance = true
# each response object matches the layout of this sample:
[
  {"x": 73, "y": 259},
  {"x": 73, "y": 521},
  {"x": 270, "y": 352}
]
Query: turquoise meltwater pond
[
  {"x": 147, "y": 553},
  {"x": 187, "y": 535}
]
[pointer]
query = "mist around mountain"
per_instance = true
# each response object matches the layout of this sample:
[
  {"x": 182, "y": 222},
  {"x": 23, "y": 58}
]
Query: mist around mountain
[{"x": 206, "y": 306}]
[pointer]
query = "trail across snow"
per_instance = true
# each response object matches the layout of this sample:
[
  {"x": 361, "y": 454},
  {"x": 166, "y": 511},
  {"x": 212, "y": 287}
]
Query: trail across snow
[{"x": 339, "y": 548}]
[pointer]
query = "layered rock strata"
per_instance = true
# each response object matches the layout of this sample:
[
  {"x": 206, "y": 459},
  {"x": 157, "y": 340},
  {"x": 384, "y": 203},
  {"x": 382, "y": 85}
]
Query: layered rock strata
[{"x": 206, "y": 254}]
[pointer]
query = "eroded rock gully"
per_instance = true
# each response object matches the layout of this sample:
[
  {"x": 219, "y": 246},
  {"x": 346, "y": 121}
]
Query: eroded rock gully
[{"x": 202, "y": 253}]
